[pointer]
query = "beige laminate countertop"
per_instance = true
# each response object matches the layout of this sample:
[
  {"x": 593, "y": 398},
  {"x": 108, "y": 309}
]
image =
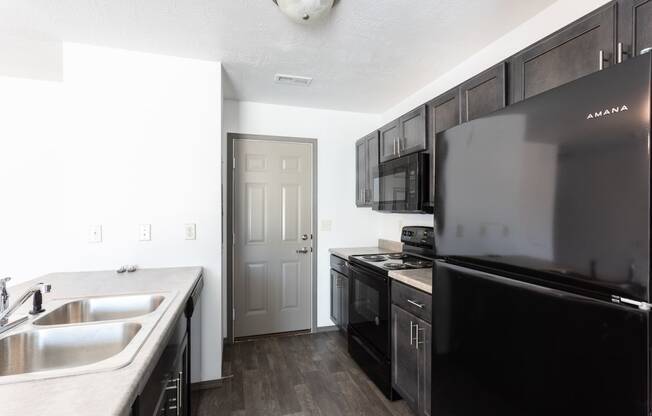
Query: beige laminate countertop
[
  {"x": 383, "y": 247},
  {"x": 345, "y": 253},
  {"x": 417, "y": 278},
  {"x": 108, "y": 392}
]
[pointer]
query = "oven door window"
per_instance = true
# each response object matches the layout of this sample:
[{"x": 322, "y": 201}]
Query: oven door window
[{"x": 368, "y": 309}]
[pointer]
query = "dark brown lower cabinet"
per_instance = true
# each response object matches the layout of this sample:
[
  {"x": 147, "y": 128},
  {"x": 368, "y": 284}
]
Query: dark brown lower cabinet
[
  {"x": 166, "y": 391},
  {"x": 411, "y": 354}
]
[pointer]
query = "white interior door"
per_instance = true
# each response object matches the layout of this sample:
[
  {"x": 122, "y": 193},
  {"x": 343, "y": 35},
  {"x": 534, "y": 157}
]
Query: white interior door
[{"x": 272, "y": 267}]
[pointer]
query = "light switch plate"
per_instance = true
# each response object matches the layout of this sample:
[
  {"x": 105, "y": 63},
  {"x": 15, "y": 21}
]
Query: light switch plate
[
  {"x": 190, "y": 231},
  {"x": 95, "y": 234},
  {"x": 145, "y": 233}
]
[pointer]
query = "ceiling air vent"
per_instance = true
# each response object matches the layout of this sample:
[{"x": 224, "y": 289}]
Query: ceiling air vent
[{"x": 292, "y": 80}]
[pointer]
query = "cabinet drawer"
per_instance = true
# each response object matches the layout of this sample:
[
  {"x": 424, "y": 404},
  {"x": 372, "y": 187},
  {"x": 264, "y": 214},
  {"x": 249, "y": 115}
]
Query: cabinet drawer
[
  {"x": 339, "y": 265},
  {"x": 412, "y": 300}
]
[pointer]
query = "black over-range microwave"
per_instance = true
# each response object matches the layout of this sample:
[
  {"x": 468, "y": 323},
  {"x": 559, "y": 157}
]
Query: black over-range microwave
[{"x": 402, "y": 185}]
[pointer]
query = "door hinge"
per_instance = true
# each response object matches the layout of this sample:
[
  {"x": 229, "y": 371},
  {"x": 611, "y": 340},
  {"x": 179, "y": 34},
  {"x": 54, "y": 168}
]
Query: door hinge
[{"x": 644, "y": 306}]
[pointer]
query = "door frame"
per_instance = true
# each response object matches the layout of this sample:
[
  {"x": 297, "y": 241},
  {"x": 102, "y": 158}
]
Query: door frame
[{"x": 228, "y": 202}]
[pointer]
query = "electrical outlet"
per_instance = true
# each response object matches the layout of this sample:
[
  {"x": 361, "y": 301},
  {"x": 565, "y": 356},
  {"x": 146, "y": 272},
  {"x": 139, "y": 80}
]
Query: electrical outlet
[
  {"x": 190, "y": 231},
  {"x": 145, "y": 233},
  {"x": 95, "y": 234}
]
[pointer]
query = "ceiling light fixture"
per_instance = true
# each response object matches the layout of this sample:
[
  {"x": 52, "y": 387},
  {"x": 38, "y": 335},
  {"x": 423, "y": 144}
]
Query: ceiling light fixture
[{"x": 305, "y": 11}]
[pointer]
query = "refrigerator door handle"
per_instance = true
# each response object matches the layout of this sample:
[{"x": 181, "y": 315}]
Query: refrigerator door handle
[{"x": 644, "y": 306}]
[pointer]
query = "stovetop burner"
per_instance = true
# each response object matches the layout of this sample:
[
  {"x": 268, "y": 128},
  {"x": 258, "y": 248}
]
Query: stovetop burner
[
  {"x": 396, "y": 266},
  {"x": 396, "y": 256},
  {"x": 419, "y": 264},
  {"x": 374, "y": 258}
]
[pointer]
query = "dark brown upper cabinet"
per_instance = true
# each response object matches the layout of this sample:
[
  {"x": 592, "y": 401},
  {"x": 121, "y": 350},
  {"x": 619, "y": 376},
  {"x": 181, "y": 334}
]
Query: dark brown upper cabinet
[
  {"x": 634, "y": 28},
  {"x": 366, "y": 153},
  {"x": 443, "y": 113},
  {"x": 360, "y": 172},
  {"x": 389, "y": 137},
  {"x": 484, "y": 93},
  {"x": 579, "y": 49},
  {"x": 412, "y": 127},
  {"x": 404, "y": 136}
]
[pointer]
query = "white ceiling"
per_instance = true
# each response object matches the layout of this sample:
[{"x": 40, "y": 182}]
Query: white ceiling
[{"x": 367, "y": 57}]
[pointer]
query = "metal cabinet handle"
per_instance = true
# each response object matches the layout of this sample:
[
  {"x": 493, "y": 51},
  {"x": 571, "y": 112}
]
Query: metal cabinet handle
[
  {"x": 412, "y": 334},
  {"x": 644, "y": 51},
  {"x": 417, "y": 304},
  {"x": 601, "y": 60},
  {"x": 180, "y": 384},
  {"x": 394, "y": 147},
  {"x": 178, "y": 399},
  {"x": 621, "y": 52}
]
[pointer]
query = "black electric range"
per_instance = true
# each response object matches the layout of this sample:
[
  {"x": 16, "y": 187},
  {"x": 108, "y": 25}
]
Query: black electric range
[
  {"x": 369, "y": 302},
  {"x": 385, "y": 263}
]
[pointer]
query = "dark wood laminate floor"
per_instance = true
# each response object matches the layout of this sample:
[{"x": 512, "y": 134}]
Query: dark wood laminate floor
[{"x": 294, "y": 375}]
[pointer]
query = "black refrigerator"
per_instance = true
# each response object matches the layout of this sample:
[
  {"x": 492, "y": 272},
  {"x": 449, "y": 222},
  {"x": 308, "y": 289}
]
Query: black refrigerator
[{"x": 541, "y": 287}]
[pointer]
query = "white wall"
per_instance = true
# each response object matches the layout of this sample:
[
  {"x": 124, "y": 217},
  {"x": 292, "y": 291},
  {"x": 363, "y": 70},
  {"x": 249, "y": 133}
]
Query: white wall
[
  {"x": 335, "y": 132},
  {"x": 121, "y": 138},
  {"x": 549, "y": 20}
]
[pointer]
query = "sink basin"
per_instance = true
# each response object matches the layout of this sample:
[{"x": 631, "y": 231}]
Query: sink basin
[
  {"x": 63, "y": 347},
  {"x": 102, "y": 309}
]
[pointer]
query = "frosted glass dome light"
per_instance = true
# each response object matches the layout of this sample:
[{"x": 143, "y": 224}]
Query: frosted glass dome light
[{"x": 305, "y": 11}]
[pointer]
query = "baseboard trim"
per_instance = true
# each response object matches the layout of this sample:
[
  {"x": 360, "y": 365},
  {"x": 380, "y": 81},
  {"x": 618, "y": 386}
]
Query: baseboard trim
[
  {"x": 272, "y": 335},
  {"x": 327, "y": 329},
  {"x": 209, "y": 384}
]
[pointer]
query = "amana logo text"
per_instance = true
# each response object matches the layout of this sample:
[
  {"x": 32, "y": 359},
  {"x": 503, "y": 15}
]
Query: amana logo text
[{"x": 607, "y": 112}]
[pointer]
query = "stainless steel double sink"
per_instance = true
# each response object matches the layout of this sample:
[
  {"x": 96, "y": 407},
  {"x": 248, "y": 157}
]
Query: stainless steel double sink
[{"x": 79, "y": 335}]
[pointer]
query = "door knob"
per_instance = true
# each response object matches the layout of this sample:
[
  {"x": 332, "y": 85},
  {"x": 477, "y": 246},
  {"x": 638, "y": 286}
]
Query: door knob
[
  {"x": 304, "y": 237},
  {"x": 302, "y": 250}
]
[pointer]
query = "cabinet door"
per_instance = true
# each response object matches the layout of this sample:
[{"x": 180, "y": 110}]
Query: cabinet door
[
  {"x": 424, "y": 342},
  {"x": 405, "y": 364},
  {"x": 484, "y": 93},
  {"x": 336, "y": 298},
  {"x": 412, "y": 136},
  {"x": 634, "y": 27},
  {"x": 372, "y": 163},
  {"x": 360, "y": 172},
  {"x": 443, "y": 113},
  {"x": 177, "y": 390},
  {"x": 344, "y": 316},
  {"x": 389, "y": 135},
  {"x": 568, "y": 54}
]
